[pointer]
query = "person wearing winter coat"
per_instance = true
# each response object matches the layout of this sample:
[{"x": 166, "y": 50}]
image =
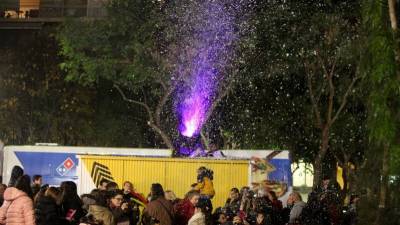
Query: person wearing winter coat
[
  {"x": 159, "y": 210},
  {"x": 17, "y": 208},
  {"x": 298, "y": 206},
  {"x": 47, "y": 209},
  {"x": 200, "y": 211},
  {"x": 100, "y": 209},
  {"x": 120, "y": 209},
  {"x": 185, "y": 209}
]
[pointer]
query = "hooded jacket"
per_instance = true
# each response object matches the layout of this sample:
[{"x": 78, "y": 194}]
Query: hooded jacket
[
  {"x": 102, "y": 214},
  {"x": 17, "y": 208}
]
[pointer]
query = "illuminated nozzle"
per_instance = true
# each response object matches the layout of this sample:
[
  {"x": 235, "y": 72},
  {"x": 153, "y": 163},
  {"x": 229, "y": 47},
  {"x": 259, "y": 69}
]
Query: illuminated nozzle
[{"x": 190, "y": 127}]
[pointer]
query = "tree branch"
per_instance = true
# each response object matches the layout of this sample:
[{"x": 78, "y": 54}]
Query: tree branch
[
  {"x": 215, "y": 103},
  {"x": 162, "y": 83},
  {"x": 392, "y": 13},
  {"x": 329, "y": 76},
  {"x": 148, "y": 110},
  {"x": 344, "y": 99},
  {"x": 161, "y": 104},
  {"x": 312, "y": 97}
]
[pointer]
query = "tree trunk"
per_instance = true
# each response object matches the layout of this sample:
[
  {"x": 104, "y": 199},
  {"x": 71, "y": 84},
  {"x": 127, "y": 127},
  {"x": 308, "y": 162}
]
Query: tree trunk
[
  {"x": 320, "y": 156},
  {"x": 166, "y": 139},
  {"x": 396, "y": 38},
  {"x": 383, "y": 190}
]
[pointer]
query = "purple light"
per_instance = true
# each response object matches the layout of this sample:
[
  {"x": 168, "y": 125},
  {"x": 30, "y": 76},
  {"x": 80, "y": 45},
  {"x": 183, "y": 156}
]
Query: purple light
[{"x": 211, "y": 48}]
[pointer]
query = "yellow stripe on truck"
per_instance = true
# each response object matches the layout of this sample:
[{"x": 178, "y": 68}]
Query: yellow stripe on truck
[{"x": 174, "y": 174}]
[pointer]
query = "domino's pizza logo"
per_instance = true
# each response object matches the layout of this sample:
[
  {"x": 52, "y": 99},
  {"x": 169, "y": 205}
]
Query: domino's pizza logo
[{"x": 65, "y": 167}]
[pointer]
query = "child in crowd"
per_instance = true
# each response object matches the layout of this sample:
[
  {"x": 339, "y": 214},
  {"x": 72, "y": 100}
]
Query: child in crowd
[{"x": 204, "y": 182}]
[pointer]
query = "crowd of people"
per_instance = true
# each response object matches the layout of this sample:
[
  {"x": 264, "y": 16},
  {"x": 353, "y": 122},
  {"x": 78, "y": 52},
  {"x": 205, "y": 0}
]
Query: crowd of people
[{"x": 26, "y": 202}]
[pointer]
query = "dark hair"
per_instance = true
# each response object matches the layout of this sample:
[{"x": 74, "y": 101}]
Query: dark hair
[
  {"x": 24, "y": 184},
  {"x": 204, "y": 172},
  {"x": 40, "y": 194},
  {"x": 68, "y": 189},
  {"x": 36, "y": 177},
  {"x": 69, "y": 192},
  {"x": 273, "y": 194},
  {"x": 104, "y": 181},
  {"x": 235, "y": 190},
  {"x": 326, "y": 177},
  {"x": 16, "y": 173},
  {"x": 112, "y": 186},
  {"x": 3, "y": 186},
  {"x": 101, "y": 198},
  {"x": 157, "y": 191},
  {"x": 202, "y": 204},
  {"x": 114, "y": 193}
]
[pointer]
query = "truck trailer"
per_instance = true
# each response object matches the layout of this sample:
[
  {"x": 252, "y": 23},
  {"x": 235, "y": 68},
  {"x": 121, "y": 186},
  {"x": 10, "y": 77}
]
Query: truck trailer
[{"x": 87, "y": 166}]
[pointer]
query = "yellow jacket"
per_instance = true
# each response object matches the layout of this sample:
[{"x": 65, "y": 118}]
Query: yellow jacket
[{"x": 205, "y": 187}]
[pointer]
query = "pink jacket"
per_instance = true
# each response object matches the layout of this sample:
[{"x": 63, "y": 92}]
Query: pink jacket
[{"x": 17, "y": 208}]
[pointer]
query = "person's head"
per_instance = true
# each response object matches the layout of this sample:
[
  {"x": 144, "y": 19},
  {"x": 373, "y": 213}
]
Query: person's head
[
  {"x": 128, "y": 187},
  {"x": 244, "y": 190},
  {"x": 103, "y": 184},
  {"x": 201, "y": 206},
  {"x": 201, "y": 169},
  {"x": 295, "y": 197},
  {"x": 41, "y": 193},
  {"x": 260, "y": 218},
  {"x": 193, "y": 196},
  {"x": 237, "y": 220},
  {"x": 69, "y": 191},
  {"x": 101, "y": 198},
  {"x": 53, "y": 193},
  {"x": 325, "y": 182},
  {"x": 37, "y": 179},
  {"x": 234, "y": 194},
  {"x": 24, "y": 184},
  {"x": 170, "y": 195},
  {"x": 156, "y": 191},
  {"x": 112, "y": 186},
  {"x": 116, "y": 198},
  {"x": 16, "y": 173},
  {"x": 94, "y": 191},
  {"x": 222, "y": 218}
]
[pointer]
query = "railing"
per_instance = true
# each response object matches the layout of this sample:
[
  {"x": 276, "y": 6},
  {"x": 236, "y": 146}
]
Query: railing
[{"x": 51, "y": 9}]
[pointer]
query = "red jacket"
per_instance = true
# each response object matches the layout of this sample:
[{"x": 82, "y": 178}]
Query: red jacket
[
  {"x": 17, "y": 208},
  {"x": 184, "y": 210}
]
